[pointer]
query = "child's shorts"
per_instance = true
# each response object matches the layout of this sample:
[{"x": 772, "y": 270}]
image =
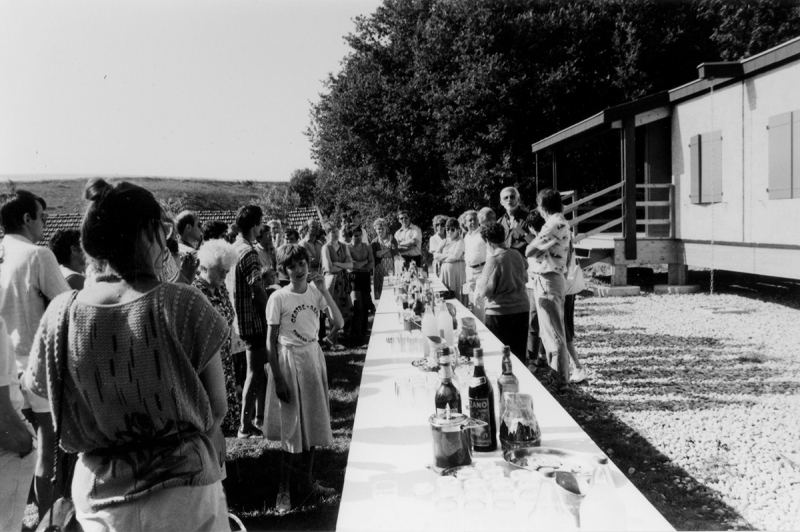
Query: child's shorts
[{"x": 300, "y": 425}]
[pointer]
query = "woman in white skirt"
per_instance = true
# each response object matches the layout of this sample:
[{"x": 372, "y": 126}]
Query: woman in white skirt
[
  {"x": 451, "y": 255},
  {"x": 298, "y": 411}
]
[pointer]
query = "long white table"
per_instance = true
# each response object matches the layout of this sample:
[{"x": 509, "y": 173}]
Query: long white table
[{"x": 394, "y": 443}]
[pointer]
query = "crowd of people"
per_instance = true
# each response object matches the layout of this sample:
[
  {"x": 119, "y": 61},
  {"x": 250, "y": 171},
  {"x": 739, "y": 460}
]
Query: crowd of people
[{"x": 143, "y": 338}]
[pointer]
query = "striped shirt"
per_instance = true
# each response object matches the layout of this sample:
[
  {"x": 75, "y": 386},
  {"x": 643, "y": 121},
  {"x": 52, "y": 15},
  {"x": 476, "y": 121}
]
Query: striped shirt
[{"x": 250, "y": 319}]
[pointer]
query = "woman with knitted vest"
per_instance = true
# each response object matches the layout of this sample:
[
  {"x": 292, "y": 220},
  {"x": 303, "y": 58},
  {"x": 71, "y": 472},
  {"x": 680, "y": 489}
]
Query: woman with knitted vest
[{"x": 133, "y": 365}]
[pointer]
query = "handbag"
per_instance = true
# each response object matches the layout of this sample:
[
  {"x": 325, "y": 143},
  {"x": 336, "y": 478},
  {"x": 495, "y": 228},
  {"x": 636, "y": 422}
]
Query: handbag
[
  {"x": 61, "y": 515},
  {"x": 575, "y": 281}
]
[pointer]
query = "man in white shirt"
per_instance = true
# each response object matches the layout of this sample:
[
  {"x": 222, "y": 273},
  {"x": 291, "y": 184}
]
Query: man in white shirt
[
  {"x": 190, "y": 231},
  {"x": 17, "y": 441},
  {"x": 474, "y": 246},
  {"x": 29, "y": 280},
  {"x": 409, "y": 240},
  {"x": 516, "y": 236}
]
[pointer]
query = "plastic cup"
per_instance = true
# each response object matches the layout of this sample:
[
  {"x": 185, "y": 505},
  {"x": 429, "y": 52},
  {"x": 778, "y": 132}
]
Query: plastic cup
[
  {"x": 492, "y": 473},
  {"x": 481, "y": 466},
  {"x": 475, "y": 483},
  {"x": 466, "y": 474}
]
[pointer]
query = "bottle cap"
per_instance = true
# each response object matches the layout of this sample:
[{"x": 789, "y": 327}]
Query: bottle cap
[
  {"x": 477, "y": 352},
  {"x": 506, "y": 350}
]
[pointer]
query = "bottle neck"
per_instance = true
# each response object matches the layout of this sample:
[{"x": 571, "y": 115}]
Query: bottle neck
[{"x": 507, "y": 365}]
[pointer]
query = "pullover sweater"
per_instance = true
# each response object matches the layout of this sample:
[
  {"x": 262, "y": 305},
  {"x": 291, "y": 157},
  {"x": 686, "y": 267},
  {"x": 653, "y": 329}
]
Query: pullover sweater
[{"x": 502, "y": 283}]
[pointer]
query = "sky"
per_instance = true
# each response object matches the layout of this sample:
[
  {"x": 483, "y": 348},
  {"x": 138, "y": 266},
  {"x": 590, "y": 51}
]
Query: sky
[{"x": 200, "y": 89}]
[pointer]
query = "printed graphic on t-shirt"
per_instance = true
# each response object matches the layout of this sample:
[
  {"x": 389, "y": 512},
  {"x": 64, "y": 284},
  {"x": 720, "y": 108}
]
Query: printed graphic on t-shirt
[{"x": 314, "y": 314}]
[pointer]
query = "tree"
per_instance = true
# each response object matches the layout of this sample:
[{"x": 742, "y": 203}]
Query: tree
[
  {"x": 304, "y": 183},
  {"x": 276, "y": 202},
  {"x": 437, "y": 105}
]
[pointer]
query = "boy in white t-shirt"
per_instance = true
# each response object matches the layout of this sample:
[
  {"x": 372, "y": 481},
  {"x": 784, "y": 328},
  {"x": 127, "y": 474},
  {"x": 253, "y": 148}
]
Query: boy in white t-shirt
[{"x": 298, "y": 412}]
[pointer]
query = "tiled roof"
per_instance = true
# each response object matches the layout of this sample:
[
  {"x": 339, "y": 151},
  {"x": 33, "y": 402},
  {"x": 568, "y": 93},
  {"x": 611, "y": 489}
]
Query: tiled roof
[{"x": 296, "y": 219}]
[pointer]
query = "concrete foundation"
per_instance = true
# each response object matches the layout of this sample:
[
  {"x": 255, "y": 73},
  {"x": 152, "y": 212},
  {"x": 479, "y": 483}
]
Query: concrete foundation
[
  {"x": 676, "y": 289},
  {"x": 616, "y": 291}
]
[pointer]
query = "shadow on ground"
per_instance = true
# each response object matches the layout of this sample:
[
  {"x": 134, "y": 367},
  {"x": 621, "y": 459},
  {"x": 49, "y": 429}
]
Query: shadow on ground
[{"x": 777, "y": 290}]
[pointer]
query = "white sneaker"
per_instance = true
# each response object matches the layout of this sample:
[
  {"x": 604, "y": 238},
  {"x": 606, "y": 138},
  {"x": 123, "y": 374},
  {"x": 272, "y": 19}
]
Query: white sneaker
[{"x": 578, "y": 375}]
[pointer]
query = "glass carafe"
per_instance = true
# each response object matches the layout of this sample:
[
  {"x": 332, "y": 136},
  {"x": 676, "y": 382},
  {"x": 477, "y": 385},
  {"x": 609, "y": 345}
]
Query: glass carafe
[
  {"x": 550, "y": 511},
  {"x": 468, "y": 338},
  {"x": 518, "y": 426}
]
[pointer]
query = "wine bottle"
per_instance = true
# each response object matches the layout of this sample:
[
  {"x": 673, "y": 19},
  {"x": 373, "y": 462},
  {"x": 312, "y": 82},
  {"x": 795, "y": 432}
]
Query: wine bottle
[
  {"x": 430, "y": 338},
  {"x": 507, "y": 381},
  {"x": 446, "y": 324},
  {"x": 481, "y": 406},
  {"x": 419, "y": 306},
  {"x": 447, "y": 395}
]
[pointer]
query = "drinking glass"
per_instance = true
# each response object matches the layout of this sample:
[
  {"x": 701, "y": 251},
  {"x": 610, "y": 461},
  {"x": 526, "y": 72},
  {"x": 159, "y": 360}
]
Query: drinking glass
[
  {"x": 423, "y": 491},
  {"x": 419, "y": 390},
  {"x": 466, "y": 474},
  {"x": 483, "y": 465},
  {"x": 475, "y": 483},
  {"x": 402, "y": 391},
  {"x": 491, "y": 473}
]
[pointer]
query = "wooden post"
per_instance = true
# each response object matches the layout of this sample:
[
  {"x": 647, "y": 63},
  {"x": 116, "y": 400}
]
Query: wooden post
[{"x": 628, "y": 151}]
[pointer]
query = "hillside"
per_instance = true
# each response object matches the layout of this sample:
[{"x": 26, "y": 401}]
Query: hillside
[{"x": 66, "y": 195}]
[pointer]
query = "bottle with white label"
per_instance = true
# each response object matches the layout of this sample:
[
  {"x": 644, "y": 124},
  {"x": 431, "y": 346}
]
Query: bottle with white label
[{"x": 481, "y": 406}]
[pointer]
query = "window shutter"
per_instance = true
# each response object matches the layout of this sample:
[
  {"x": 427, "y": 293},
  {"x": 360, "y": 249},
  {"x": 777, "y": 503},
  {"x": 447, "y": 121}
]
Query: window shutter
[
  {"x": 780, "y": 156},
  {"x": 694, "y": 175},
  {"x": 711, "y": 167}
]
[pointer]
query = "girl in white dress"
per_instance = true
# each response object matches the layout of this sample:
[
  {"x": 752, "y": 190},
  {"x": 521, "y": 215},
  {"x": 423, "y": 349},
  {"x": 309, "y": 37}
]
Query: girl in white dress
[{"x": 298, "y": 411}]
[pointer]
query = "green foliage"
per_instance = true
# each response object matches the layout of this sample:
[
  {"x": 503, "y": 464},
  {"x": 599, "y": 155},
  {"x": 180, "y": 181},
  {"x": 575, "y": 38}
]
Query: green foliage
[
  {"x": 174, "y": 205},
  {"x": 276, "y": 202},
  {"x": 437, "y": 105},
  {"x": 304, "y": 184}
]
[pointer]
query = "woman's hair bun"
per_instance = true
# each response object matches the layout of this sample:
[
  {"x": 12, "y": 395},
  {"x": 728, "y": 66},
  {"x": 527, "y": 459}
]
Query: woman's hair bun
[{"x": 96, "y": 189}]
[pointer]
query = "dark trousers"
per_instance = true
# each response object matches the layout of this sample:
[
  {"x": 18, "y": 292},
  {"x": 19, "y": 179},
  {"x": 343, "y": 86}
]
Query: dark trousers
[
  {"x": 511, "y": 330},
  {"x": 534, "y": 343},
  {"x": 416, "y": 260}
]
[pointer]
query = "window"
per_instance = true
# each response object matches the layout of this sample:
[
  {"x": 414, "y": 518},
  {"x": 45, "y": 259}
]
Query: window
[
  {"x": 784, "y": 156},
  {"x": 706, "y": 154}
]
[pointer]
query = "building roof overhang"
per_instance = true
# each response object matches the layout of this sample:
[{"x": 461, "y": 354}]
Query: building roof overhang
[
  {"x": 643, "y": 110},
  {"x": 712, "y": 76}
]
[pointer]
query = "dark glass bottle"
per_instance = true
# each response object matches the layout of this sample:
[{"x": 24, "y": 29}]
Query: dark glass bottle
[
  {"x": 507, "y": 382},
  {"x": 419, "y": 306},
  {"x": 447, "y": 393},
  {"x": 481, "y": 406}
]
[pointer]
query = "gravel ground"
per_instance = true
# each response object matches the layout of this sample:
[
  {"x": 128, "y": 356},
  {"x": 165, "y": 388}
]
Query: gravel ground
[{"x": 716, "y": 393}]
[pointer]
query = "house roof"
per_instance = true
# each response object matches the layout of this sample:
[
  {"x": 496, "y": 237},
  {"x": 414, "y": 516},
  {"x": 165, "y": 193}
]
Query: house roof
[
  {"x": 296, "y": 218},
  {"x": 658, "y": 105}
]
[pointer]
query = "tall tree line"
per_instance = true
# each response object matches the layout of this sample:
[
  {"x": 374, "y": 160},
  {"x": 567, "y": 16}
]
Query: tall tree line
[{"x": 437, "y": 105}]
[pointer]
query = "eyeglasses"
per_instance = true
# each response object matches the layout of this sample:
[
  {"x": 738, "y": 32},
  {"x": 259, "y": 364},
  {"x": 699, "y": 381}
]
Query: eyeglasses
[
  {"x": 403, "y": 218},
  {"x": 441, "y": 224}
]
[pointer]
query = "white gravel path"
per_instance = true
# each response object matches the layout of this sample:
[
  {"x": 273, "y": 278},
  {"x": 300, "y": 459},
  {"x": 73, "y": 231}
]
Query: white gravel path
[{"x": 716, "y": 393}]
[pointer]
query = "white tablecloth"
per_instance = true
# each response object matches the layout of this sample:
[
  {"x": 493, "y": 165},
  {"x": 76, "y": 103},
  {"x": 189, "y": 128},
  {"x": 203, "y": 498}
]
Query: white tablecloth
[{"x": 394, "y": 443}]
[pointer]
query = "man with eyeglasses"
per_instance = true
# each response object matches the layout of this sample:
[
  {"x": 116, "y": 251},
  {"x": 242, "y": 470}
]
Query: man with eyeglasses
[
  {"x": 516, "y": 236},
  {"x": 437, "y": 239},
  {"x": 409, "y": 240}
]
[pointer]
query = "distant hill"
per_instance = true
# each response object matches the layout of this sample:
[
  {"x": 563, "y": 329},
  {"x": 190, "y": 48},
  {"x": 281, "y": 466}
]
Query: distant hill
[{"x": 66, "y": 195}]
